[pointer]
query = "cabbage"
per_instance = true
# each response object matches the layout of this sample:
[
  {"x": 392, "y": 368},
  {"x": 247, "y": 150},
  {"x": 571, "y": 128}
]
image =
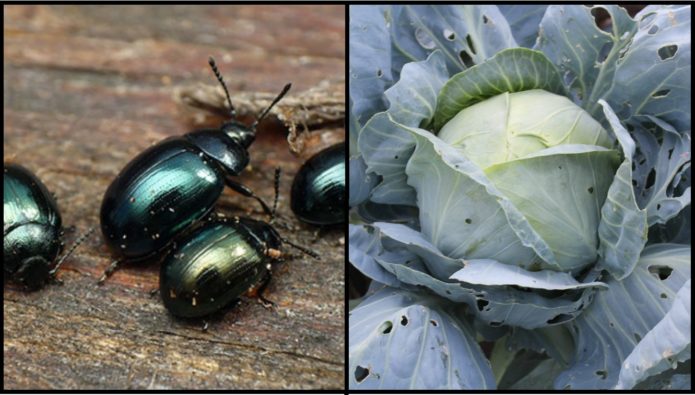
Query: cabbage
[{"x": 529, "y": 197}]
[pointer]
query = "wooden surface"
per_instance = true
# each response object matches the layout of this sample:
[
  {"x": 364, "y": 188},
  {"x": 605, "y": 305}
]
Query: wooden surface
[{"x": 88, "y": 88}]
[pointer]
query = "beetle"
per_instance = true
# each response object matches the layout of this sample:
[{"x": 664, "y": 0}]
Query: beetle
[
  {"x": 163, "y": 192},
  {"x": 32, "y": 229},
  {"x": 318, "y": 189},
  {"x": 219, "y": 262}
]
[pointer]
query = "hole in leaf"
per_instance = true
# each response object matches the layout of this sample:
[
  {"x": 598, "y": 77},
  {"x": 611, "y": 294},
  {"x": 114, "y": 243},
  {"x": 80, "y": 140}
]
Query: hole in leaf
[
  {"x": 612, "y": 325},
  {"x": 661, "y": 272},
  {"x": 448, "y": 292},
  {"x": 495, "y": 323},
  {"x": 650, "y": 179},
  {"x": 658, "y": 207},
  {"x": 449, "y": 34},
  {"x": 486, "y": 20},
  {"x": 668, "y": 51},
  {"x": 661, "y": 93},
  {"x": 602, "y": 19},
  {"x": 395, "y": 157},
  {"x": 602, "y": 374},
  {"x": 663, "y": 296},
  {"x": 591, "y": 189},
  {"x": 482, "y": 303},
  {"x": 379, "y": 73},
  {"x": 653, "y": 29},
  {"x": 404, "y": 320},
  {"x": 466, "y": 59},
  {"x": 469, "y": 42},
  {"x": 434, "y": 323},
  {"x": 423, "y": 38},
  {"x": 638, "y": 338},
  {"x": 559, "y": 318},
  {"x": 468, "y": 221},
  {"x": 386, "y": 327},
  {"x": 361, "y": 373}
]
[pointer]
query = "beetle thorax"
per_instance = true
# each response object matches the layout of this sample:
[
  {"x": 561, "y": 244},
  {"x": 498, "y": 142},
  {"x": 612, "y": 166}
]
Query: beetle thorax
[{"x": 239, "y": 132}]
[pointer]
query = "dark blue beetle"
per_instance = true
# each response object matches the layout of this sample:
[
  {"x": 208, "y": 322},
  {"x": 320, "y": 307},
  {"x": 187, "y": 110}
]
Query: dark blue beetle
[
  {"x": 163, "y": 192},
  {"x": 220, "y": 261},
  {"x": 32, "y": 229},
  {"x": 318, "y": 190}
]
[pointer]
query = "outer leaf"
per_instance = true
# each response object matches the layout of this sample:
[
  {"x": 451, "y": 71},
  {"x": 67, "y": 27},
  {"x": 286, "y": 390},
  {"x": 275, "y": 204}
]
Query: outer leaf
[
  {"x": 648, "y": 81},
  {"x": 478, "y": 30},
  {"x": 586, "y": 55},
  {"x": 491, "y": 272},
  {"x": 413, "y": 98},
  {"x": 403, "y": 340},
  {"x": 661, "y": 170},
  {"x": 363, "y": 247},
  {"x": 496, "y": 306},
  {"x": 511, "y": 70},
  {"x": 608, "y": 331},
  {"x": 361, "y": 182},
  {"x": 385, "y": 146},
  {"x": 524, "y": 20},
  {"x": 667, "y": 343},
  {"x": 623, "y": 228},
  {"x": 370, "y": 60}
]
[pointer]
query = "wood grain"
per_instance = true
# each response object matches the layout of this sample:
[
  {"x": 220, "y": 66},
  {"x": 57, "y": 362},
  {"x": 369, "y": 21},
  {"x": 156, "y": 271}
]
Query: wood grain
[{"x": 89, "y": 87}]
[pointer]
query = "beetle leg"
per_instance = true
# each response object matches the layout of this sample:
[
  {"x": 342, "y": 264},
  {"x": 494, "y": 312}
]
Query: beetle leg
[
  {"x": 268, "y": 304},
  {"x": 109, "y": 271},
  {"x": 244, "y": 190}
]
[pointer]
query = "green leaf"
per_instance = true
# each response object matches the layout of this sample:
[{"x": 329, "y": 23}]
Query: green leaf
[
  {"x": 406, "y": 340},
  {"x": 663, "y": 346},
  {"x": 621, "y": 316},
  {"x": 511, "y": 70},
  {"x": 623, "y": 227}
]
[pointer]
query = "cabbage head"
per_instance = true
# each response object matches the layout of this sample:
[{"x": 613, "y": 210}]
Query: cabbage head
[{"x": 520, "y": 207}]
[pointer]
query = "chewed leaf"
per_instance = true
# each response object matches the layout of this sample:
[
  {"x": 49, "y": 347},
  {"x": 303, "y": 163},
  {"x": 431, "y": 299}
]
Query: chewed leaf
[
  {"x": 363, "y": 247},
  {"x": 361, "y": 182},
  {"x": 496, "y": 306},
  {"x": 524, "y": 20},
  {"x": 662, "y": 169},
  {"x": 466, "y": 34},
  {"x": 667, "y": 343},
  {"x": 585, "y": 54},
  {"x": 384, "y": 145},
  {"x": 370, "y": 61},
  {"x": 491, "y": 272},
  {"x": 659, "y": 59},
  {"x": 623, "y": 227},
  {"x": 622, "y": 315},
  {"x": 511, "y": 70},
  {"x": 406, "y": 340}
]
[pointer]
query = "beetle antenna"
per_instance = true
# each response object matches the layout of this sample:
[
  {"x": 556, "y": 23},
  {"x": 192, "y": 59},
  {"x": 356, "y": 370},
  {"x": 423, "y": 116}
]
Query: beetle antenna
[
  {"x": 109, "y": 271},
  {"x": 232, "y": 111},
  {"x": 76, "y": 244},
  {"x": 277, "y": 194},
  {"x": 302, "y": 249},
  {"x": 275, "y": 101}
]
